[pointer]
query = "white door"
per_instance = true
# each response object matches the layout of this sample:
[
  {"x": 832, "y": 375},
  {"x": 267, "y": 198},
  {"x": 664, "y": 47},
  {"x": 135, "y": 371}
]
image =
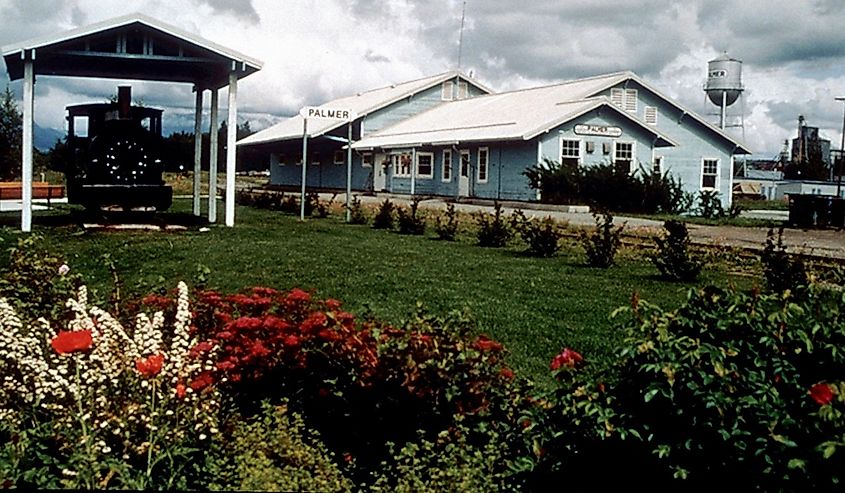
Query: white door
[
  {"x": 379, "y": 173},
  {"x": 463, "y": 175}
]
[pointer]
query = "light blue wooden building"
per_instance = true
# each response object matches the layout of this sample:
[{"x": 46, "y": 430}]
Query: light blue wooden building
[{"x": 479, "y": 144}]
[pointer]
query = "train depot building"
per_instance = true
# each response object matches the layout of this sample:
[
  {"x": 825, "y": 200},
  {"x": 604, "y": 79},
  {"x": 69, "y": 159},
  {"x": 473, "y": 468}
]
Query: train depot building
[{"x": 448, "y": 135}]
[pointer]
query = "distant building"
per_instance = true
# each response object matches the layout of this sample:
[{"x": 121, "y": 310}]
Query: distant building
[
  {"x": 448, "y": 136},
  {"x": 808, "y": 147}
]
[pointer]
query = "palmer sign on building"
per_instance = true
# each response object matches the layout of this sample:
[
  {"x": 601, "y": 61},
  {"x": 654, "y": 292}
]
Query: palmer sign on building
[{"x": 322, "y": 113}]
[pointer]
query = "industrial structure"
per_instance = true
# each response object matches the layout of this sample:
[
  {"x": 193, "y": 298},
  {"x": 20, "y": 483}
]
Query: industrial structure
[
  {"x": 724, "y": 88},
  {"x": 447, "y": 135}
]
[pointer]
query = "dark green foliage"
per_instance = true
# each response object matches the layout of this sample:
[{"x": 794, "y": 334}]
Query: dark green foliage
[
  {"x": 541, "y": 236},
  {"x": 602, "y": 244},
  {"x": 35, "y": 281},
  {"x": 289, "y": 204},
  {"x": 11, "y": 131},
  {"x": 493, "y": 229},
  {"x": 710, "y": 206},
  {"x": 411, "y": 222},
  {"x": 384, "y": 216},
  {"x": 606, "y": 186},
  {"x": 356, "y": 211},
  {"x": 446, "y": 224},
  {"x": 673, "y": 258},
  {"x": 314, "y": 207},
  {"x": 782, "y": 270},
  {"x": 735, "y": 385}
]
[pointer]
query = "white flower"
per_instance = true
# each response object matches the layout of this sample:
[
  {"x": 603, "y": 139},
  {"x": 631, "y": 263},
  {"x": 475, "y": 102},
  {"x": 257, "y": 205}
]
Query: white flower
[
  {"x": 202, "y": 436},
  {"x": 64, "y": 269},
  {"x": 106, "y": 449}
]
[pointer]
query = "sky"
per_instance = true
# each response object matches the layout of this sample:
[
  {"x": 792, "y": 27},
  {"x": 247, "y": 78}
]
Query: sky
[{"x": 793, "y": 51}]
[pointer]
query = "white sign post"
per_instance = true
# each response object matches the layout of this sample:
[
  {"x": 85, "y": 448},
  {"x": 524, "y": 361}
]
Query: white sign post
[{"x": 323, "y": 113}]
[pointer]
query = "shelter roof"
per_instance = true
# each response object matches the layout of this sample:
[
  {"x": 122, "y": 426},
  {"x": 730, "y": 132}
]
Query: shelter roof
[
  {"x": 362, "y": 104},
  {"x": 133, "y": 46}
]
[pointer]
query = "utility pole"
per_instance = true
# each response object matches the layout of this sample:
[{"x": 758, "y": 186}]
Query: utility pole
[{"x": 841, "y": 154}]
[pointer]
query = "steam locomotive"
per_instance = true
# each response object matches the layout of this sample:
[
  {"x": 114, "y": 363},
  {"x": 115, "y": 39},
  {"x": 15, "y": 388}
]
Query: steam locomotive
[{"x": 116, "y": 157}]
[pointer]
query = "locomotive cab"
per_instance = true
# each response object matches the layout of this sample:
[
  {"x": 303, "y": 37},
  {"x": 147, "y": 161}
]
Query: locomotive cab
[{"x": 116, "y": 156}]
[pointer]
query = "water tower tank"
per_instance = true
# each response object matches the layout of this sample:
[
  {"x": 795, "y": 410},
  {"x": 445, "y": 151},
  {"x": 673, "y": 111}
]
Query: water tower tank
[{"x": 724, "y": 76}]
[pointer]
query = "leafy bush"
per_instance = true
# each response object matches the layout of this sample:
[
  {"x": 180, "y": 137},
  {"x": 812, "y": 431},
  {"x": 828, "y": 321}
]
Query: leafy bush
[
  {"x": 356, "y": 211},
  {"x": 37, "y": 283},
  {"x": 493, "y": 230},
  {"x": 384, "y": 216},
  {"x": 446, "y": 224},
  {"x": 451, "y": 462},
  {"x": 606, "y": 186},
  {"x": 273, "y": 451},
  {"x": 782, "y": 270},
  {"x": 289, "y": 204},
  {"x": 542, "y": 237},
  {"x": 413, "y": 222},
  {"x": 602, "y": 244},
  {"x": 710, "y": 206},
  {"x": 673, "y": 259},
  {"x": 741, "y": 386},
  {"x": 317, "y": 208}
]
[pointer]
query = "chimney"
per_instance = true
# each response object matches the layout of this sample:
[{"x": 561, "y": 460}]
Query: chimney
[{"x": 124, "y": 101}]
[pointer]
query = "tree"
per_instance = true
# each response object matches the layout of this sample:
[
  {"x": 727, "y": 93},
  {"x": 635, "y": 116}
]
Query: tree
[{"x": 11, "y": 130}]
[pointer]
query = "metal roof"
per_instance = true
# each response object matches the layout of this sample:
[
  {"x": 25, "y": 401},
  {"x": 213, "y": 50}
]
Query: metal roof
[
  {"x": 362, "y": 104},
  {"x": 516, "y": 115},
  {"x": 196, "y": 60}
]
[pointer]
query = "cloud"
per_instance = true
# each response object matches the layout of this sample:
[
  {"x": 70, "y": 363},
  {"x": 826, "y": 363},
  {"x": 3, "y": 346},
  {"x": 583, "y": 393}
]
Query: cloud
[{"x": 314, "y": 51}]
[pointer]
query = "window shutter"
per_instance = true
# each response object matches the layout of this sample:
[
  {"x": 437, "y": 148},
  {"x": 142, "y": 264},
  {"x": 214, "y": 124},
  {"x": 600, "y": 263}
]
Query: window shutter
[
  {"x": 651, "y": 115},
  {"x": 446, "y": 91},
  {"x": 616, "y": 96},
  {"x": 463, "y": 90},
  {"x": 631, "y": 100}
]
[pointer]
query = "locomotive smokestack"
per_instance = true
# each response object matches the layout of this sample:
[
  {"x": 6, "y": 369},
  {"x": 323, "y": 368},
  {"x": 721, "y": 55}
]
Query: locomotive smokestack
[{"x": 124, "y": 101}]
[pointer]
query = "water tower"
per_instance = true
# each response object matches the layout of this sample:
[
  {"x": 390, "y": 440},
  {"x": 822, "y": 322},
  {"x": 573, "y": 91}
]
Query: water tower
[{"x": 724, "y": 88}]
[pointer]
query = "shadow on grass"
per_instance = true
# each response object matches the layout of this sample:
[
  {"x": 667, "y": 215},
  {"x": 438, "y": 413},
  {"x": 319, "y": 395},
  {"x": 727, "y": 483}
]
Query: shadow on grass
[{"x": 77, "y": 217}]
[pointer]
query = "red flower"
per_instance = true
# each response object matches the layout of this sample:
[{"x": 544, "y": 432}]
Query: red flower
[
  {"x": 506, "y": 372},
  {"x": 150, "y": 366},
  {"x": 67, "y": 342},
  {"x": 291, "y": 341},
  {"x": 180, "y": 390},
  {"x": 332, "y": 304},
  {"x": 201, "y": 381},
  {"x": 485, "y": 344},
  {"x": 297, "y": 295},
  {"x": 200, "y": 349},
  {"x": 316, "y": 320},
  {"x": 567, "y": 358},
  {"x": 822, "y": 393}
]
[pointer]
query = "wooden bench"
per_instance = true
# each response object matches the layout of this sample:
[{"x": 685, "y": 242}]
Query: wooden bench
[{"x": 12, "y": 190}]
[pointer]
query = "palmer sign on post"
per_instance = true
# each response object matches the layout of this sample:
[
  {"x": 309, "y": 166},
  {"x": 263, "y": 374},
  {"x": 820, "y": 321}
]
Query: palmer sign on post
[{"x": 323, "y": 113}]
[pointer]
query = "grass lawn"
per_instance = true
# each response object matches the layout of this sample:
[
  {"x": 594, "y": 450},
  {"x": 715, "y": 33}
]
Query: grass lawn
[{"x": 534, "y": 306}]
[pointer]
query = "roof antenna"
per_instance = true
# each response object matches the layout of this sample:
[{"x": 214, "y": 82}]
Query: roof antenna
[{"x": 461, "y": 36}]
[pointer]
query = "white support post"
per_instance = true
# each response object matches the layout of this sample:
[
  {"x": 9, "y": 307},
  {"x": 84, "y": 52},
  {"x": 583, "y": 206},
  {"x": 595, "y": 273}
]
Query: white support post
[
  {"x": 304, "y": 168},
  {"x": 230, "y": 148},
  {"x": 197, "y": 148},
  {"x": 26, "y": 165},
  {"x": 413, "y": 170},
  {"x": 348, "y": 171},
  {"x": 212, "y": 156}
]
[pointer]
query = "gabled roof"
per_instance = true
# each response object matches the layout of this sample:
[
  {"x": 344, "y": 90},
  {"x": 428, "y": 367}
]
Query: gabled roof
[
  {"x": 362, "y": 104},
  {"x": 611, "y": 80},
  {"x": 60, "y": 54},
  {"x": 515, "y": 115}
]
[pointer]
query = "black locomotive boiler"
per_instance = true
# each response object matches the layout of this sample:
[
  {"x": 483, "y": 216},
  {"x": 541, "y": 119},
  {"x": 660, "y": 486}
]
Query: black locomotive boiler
[{"x": 117, "y": 164}]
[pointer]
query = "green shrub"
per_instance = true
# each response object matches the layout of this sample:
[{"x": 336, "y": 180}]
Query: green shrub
[
  {"x": 37, "y": 283},
  {"x": 446, "y": 224},
  {"x": 673, "y": 259},
  {"x": 493, "y": 229},
  {"x": 316, "y": 208},
  {"x": 741, "y": 386},
  {"x": 452, "y": 462},
  {"x": 289, "y": 204},
  {"x": 273, "y": 451},
  {"x": 411, "y": 222},
  {"x": 607, "y": 186},
  {"x": 384, "y": 216},
  {"x": 782, "y": 270},
  {"x": 542, "y": 237},
  {"x": 602, "y": 244},
  {"x": 356, "y": 211}
]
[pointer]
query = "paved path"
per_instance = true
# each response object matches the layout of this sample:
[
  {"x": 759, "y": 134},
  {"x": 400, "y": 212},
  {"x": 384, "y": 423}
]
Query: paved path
[{"x": 824, "y": 243}]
